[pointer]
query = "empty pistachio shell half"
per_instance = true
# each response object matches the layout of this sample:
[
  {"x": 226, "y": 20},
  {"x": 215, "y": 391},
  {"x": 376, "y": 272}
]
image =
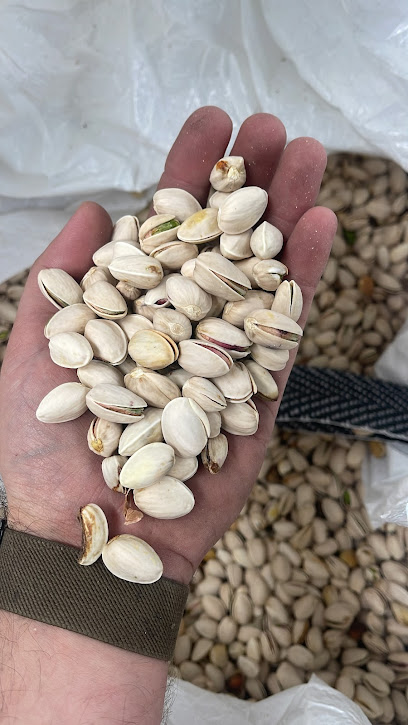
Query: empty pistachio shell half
[
  {"x": 172, "y": 255},
  {"x": 95, "y": 274},
  {"x": 236, "y": 246},
  {"x": 184, "y": 468},
  {"x": 103, "y": 437},
  {"x": 63, "y": 403},
  {"x": 139, "y": 434},
  {"x": 70, "y": 350},
  {"x": 128, "y": 291},
  {"x": 175, "y": 201},
  {"x": 108, "y": 341},
  {"x": 220, "y": 277},
  {"x": 59, "y": 287},
  {"x": 133, "y": 323},
  {"x": 185, "y": 427},
  {"x": 97, "y": 373},
  {"x": 105, "y": 300},
  {"x": 268, "y": 274},
  {"x": 204, "y": 358},
  {"x": 132, "y": 559},
  {"x": 104, "y": 255},
  {"x": 153, "y": 349},
  {"x": 114, "y": 403},
  {"x": 172, "y": 323},
  {"x": 126, "y": 228},
  {"x": 228, "y": 174},
  {"x": 225, "y": 335},
  {"x": 199, "y": 228},
  {"x": 214, "y": 420},
  {"x": 147, "y": 465},
  {"x": 236, "y": 312},
  {"x": 187, "y": 297},
  {"x": 272, "y": 329},
  {"x": 205, "y": 393},
  {"x": 169, "y": 498},
  {"x": 266, "y": 385},
  {"x": 266, "y": 241},
  {"x": 69, "y": 319},
  {"x": 217, "y": 199},
  {"x": 94, "y": 533},
  {"x": 111, "y": 468},
  {"x": 242, "y": 209},
  {"x": 142, "y": 272},
  {"x": 240, "y": 418},
  {"x": 215, "y": 453},
  {"x": 156, "y": 389},
  {"x": 269, "y": 358},
  {"x": 237, "y": 385},
  {"x": 288, "y": 300}
]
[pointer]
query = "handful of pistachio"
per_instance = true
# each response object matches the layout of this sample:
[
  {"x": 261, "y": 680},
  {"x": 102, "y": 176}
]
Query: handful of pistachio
[{"x": 172, "y": 332}]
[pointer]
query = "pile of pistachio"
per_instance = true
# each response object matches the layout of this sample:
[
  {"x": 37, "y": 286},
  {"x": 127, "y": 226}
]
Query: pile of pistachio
[{"x": 172, "y": 332}]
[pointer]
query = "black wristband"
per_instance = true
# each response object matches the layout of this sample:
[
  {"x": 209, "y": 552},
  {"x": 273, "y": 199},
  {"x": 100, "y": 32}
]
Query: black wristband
[{"x": 42, "y": 580}]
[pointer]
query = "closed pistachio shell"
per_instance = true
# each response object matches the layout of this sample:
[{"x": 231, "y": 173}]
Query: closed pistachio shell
[
  {"x": 111, "y": 468},
  {"x": 272, "y": 329},
  {"x": 214, "y": 420},
  {"x": 169, "y": 498},
  {"x": 144, "y": 431},
  {"x": 266, "y": 241},
  {"x": 126, "y": 229},
  {"x": 173, "y": 323},
  {"x": 185, "y": 427},
  {"x": 106, "y": 301},
  {"x": 59, "y": 287},
  {"x": 269, "y": 358},
  {"x": 97, "y": 373},
  {"x": 132, "y": 559},
  {"x": 126, "y": 248},
  {"x": 266, "y": 385},
  {"x": 143, "y": 272},
  {"x": 205, "y": 393},
  {"x": 147, "y": 465},
  {"x": 228, "y": 174},
  {"x": 94, "y": 533},
  {"x": 268, "y": 274},
  {"x": 200, "y": 227},
  {"x": 237, "y": 385},
  {"x": 187, "y": 297},
  {"x": 215, "y": 453},
  {"x": 179, "y": 376},
  {"x": 225, "y": 335},
  {"x": 70, "y": 350},
  {"x": 236, "y": 246},
  {"x": 217, "y": 199},
  {"x": 240, "y": 418},
  {"x": 104, "y": 255},
  {"x": 103, "y": 437},
  {"x": 236, "y": 312},
  {"x": 114, "y": 403},
  {"x": 204, "y": 358},
  {"x": 64, "y": 403},
  {"x": 108, "y": 341},
  {"x": 69, "y": 319},
  {"x": 133, "y": 323},
  {"x": 95, "y": 274},
  {"x": 175, "y": 201},
  {"x": 220, "y": 277},
  {"x": 153, "y": 349},
  {"x": 156, "y": 389},
  {"x": 128, "y": 291},
  {"x": 184, "y": 468},
  {"x": 288, "y": 300},
  {"x": 242, "y": 209},
  {"x": 157, "y": 230},
  {"x": 172, "y": 255},
  {"x": 157, "y": 297}
]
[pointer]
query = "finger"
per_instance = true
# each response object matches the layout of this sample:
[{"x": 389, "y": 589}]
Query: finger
[
  {"x": 261, "y": 140},
  {"x": 200, "y": 143},
  {"x": 295, "y": 186}
]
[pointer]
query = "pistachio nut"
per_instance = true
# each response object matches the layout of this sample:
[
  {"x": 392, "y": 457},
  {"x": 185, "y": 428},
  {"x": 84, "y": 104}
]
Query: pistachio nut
[
  {"x": 63, "y": 403},
  {"x": 105, "y": 300},
  {"x": 184, "y": 468},
  {"x": 266, "y": 241},
  {"x": 204, "y": 358},
  {"x": 266, "y": 385},
  {"x": 288, "y": 300},
  {"x": 205, "y": 393},
  {"x": 94, "y": 533},
  {"x": 108, "y": 341},
  {"x": 95, "y": 274},
  {"x": 70, "y": 350},
  {"x": 237, "y": 385},
  {"x": 169, "y": 498},
  {"x": 144, "y": 431},
  {"x": 187, "y": 297},
  {"x": 175, "y": 201},
  {"x": 128, "y": 291},
  {"x": 217, "y": 307},
  {"x": 126, "y": 366},
  {"x": 126, "y": 229},
  {"x": 104, "y": 255},
  {"x": 215, "y": 453},
  {"x": 236, "y": 246},
  {"x": 185, "y": 427},
  {"x": 240, "y": 418},
  {"x": 132, "y": 559},
  {"x": 127, "y": 249},
  {"x": 59, "y": 287},
  {"x": 147, "y": 465},
  {"x": 103, "y": 437},
  {"x": 97, "y": 373},
  {"x": 242, "y": 209},
  {"x": 157, "y": 297},
  {"x": 224, "y": 335},
  {"x": 141, "y": 308},
  {"x": 153, "y": 349},
  {"x": 200, "y": 227},
  {"x": 156, "y": 389},
  {"x": 269, "y": 358},
  {"x": 111, "y": 468},
  {"x": 217, "y": 199},
  {"x": 228, "y": 174},
  {"x": 236, "y": 312},
  {"x": 214, "y": 420},
  {"x": 179, "y": 376},
  {"x": 247, "y": 267},
  {"x": 134, "y": 323},
  {"x": 157, "y": 230},
  {"x": 69, "y": 319},
  {"x": 220, "y": 277},
  {"x": 172, "y": 255},
  {"x": 187, "y": 269},
  {"x": 116, "y": 404},
  {"x": 173, "y": 323},
  {"x": 268, "y": 274},
  {"x": 142, "y": 272},
  {"x": 272, "y": 329}
]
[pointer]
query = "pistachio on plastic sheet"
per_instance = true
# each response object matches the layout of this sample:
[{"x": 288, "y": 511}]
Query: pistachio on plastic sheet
[
  {"x": 288, "y": 300},
  {"x": 236, "y": 312},
  {"x": 106, "y": 301},
  {"x": 200, "y": 227},
  {"x": 214, "y": 420},
  {"x": 184, "y": 468},
  {"x": 97, "y": 373},
  {"x": 242, "y": 209},
  {"x": 108, "y": 340},
  {"x": 111, "y": 468},
  {"x": 173, "y": 323},
  {"x": 153, "y": 349},
  {"x": 133, "y": 323},
  {"x": 217, "y": 199},
  {"x": 70, "y": 319},
  {"x": 204, "y": 359},
  {"x": 157, "y": 230},
  {"x": 185, "y": 427},
  {"x": 144, "y": 431},
  {"x": 240, "y": 418},
  {"x": 143, "y": 272},
  {"x": 95, "y": 274},
  {"x": 169, "y": 498},
  {"x": 220, "y": 277},
  {"x": 172, "y": 255},
  {"x": 269, "y": 358},
  {"x": 70, "y": 350},
  {"x": 237, "y": 385},
  {"x": 236, "y": 246},
  {"x": 132, "y": 559},
  {"x": 157, "y": 297},
  {"x": 272, "y": 329},
  {"x": 147, "y": 465},
  {"x": 266, "y": 241},
  {"x": 215, "y": 453},
  {"x": 128, "y": 291},
  {"x": 126, "y": 229},
  {"x": 266, "y": 385},
  {"x": 103, "y": 437},
  {"x": 59, "y": 287},
  {"x": 205, "y": 393},
  {"x": 175, "y": 201},
  {"x": 115, "y": 404},
  {"x": 224, "y": 335},
  {"x": 187, "y": 297},
  {"x": 64, "y": 403},
  {"x": 156, "y": 389},
  {"x": 268, "y": 274},
  {"x": 94, "y": 533},
  {"x": 228, "y": 174}
]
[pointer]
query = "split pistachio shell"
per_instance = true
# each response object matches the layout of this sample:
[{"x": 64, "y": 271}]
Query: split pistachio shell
[
  {"x": 228, "y": 174},
  {"x": 111, "y": 468},
  {"x": 214, "y": 420},
  {"x": 237, "y": 385},
  {"x": 126, "y": 229},
  {"x": 134, "y": 323},
  {"x": 242, "y": 209},
  {"x": 187, "y": 269},
  {"x": 132, "y": 559},
  {"x": 236, "y": 246},
  {"x": 128, "y": 291},
  {"x": 240, "y": 418},
  {"x": 126, "y": 248},
  {"x": 220, "y": 277},
  {"x": 140, "y": 434},
  {"x": 199, "y": 228},
  {"x": 185, "y": 427},
  {"x": 70, "y": 350},
  {"x": 269, "y": 358},
  {"x": 217, "y": 199},
  {"x": 272, "y": 329},
  {"x": 103, "y": 437},
  {"x": 105, "y": 300},
  {"x": 266, "y": 241},
  {"x": 153, "y": 349},
  {"x": 187, "y": 297},
  {"x": 266, "y": 385},
  {"x": 179, "y": 376},
  {"x": 173, "y": 323},
  {"x": 104, "y": 255},
  {"x": 157, "y": 230},
  {"x": 205, "y": 393},
  {"x": 157, "y": 297},
  {"x": 114, "y": 403},
  {"x": 94, "y": 533},
  {"x": 95, "y": 274},
  {"x": 172, "y": 255},
  {"x": 215, "y": 453},
  {"x": 108, "y": 341},
  {"x": 63, "y": 403},
  {"x": 147, "y": 465},
  {"x": 184, "y": 468},
  {"x": 169, "y": 498},
  {"x": 59, "y": 287},
  {"x": 143, "y": 272},
  {"x": 69, "y": 319},
  {"x": 225, "y": 335},
  {"x": 156, "y": 389},
  {"x": 175, "y": 201},
  {"x": 97, "y": 373},
  {"x": 141, "y": 308},
  {"x": 236, "y": 312},
  {"x": 204, "y": 358},
  {"x": 288, "y": 300},
  {"x": 268, "y": 274}
]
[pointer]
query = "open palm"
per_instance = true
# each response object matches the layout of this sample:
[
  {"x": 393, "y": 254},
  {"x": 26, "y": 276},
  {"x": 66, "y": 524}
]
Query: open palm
[{"x": 48, "y": 470}]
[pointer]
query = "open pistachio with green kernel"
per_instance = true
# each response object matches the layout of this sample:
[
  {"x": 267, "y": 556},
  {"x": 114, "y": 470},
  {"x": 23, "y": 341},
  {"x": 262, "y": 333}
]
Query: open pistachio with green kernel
[{"x": 157, "y": 230}]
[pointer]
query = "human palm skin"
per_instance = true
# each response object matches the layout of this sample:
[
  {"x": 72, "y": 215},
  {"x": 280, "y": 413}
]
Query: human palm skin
[{"x": 48, "y": 470}]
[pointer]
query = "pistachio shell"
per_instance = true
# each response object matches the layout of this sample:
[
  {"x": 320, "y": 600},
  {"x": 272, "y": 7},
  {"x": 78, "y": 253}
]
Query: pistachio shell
[
  {"x": 143, "y": 272},
  {"x": 240, "y": 418},
  {"x": 134, "y": 323},
  {"x": 215, "y": 453},
  {"x": 217, "y": 199},
  {"x": 205, "y": 393},
  {"x": 179, "y": 376},
  {"x": 70, "y": 350},
  {"x": 185, "y": 427},
  {"x": 126, "y": 248},
  {"x": 157, "y": 297},
  {"x": 187, "y": 269},
  {"x": 114, "y": 403},
  {"x": 169, "y": 498},
  {"x": 128, "y": 291},
  {"x": 220, "y": 277},
  {"x": 132, "y": 559},
  {"x": 126, "y": 366},
  {"x": 214, "y": 420},
  {"x": 242, "y": 209},
  {"x": 288, "y": 300},
  {"x": 103, "y": 437},
  {"x": 59, "y": 288},
  {"x": 97, "y": 373},
  {"x": 225, "y": 335},
  {"x": 247, "y": 267},
  {"x": 126, "y": 228},
  {"x": 63, "y": 403},
  {"x": 94, "y": 533},
  {"x": 153, "y": 349},
  {"x": 187, "y": 297},
  {"x": 141, "y": 308},
  {"x": 236, "y": 312},
  {"x": 266, "y": 385},
  {"x": 204, "y": 358},
  {"x": 157, "y": 230},
  {"x": 228, "y": 174},
  {"x": 69, "y": 319},
  {"x": 236, "y": 246},
  {"x": 147, "y": 465},
  {"x": 173, "y": 323},
  {"x": 95, "y": 274},
  {"x": 172, "y": 255},
  {"x": 104, "y": 255},
  {"x": 217, "y": 307},
  {"x": 184, "y": 468},
  {"x": 144, "y": 431},
  {"x": 200, "y": 227},
  {"x": 111, "y": 468},
  {"x": 175, "y": 201},
  {"x": 266, "y": 241},
  {"x": 268, "y": 274},
  {"x": 237, "y": 385},
  {"x": 108, "y": 341},
  {"x": 272, "y": 329},
  {"x": 105, "y": 300},
  {"x": 156, "y": 389}
]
